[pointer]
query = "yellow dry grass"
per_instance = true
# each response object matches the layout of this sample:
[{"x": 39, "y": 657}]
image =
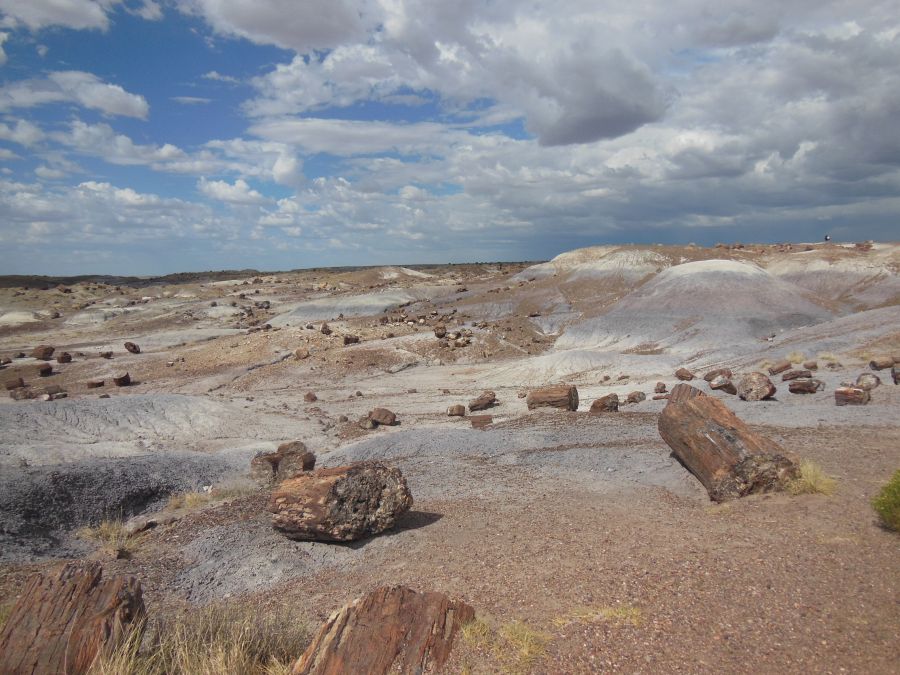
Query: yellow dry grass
[{"x": 812, "y": 480}]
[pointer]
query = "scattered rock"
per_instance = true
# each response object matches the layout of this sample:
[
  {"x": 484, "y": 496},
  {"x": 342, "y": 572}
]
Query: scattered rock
[
  {"x": 608, "y": 403},
  {"x": 390, "y": 630},
  {"x": 14, "y": 383},
  {"x": 45, "y": 370},
  {"x": 286, "y": 462},
  {"x": 133, "y": 348},
  {"x": 487, "y": 399},
  {"x": 779, "y": 367},
  {"x": 756, "y": 387},
  {"x": 106, "y": 355},
  {"x": 480, "y": 421},
  {"x": 635, "y": 397},
  {"x": 722, "y": 383},
  {"x": 660, "y": 397},
  {"x": 440, "y": 331},
  {"x": 65, "y": 616},
  {"x": 366, "y": 423},
  {"x": 851, "y": 396},
  {"x": 895, "y": 374},
  {"x": 811, "y": 365},
  {"x": 344, "y": 503},
  {"x": 383, "y": 416},
  {"x": 65, "y": 357},
  {"x": 660, "y": 388},
  {"x": 343, "y": 419},
  {"x": 684, "y": 374},
  {"x": 94, "y": 384},
  {"x": 684, "y": 392},
  {"x": 457, "y": 410},
  {"x": 878, "y": 363},
  {"x": 868, "y": 381},
  {"x": 795, "y": 374},
  {"x": 718, "y": 372},
  {"x": 22, "y": 394},
  {"x": 310, "y": 397},
  {"x": 351, "y": 340},
  {"x": 805, "y": 386},
  {"x": 563, "y": 396},
  {"x": 301, "y": 353},
  {"x": 42, "y": 352},
  {"x": 121, "y": 379},
  {"x": 325, "y": 329},
  {"x": 721, "y": 451}
]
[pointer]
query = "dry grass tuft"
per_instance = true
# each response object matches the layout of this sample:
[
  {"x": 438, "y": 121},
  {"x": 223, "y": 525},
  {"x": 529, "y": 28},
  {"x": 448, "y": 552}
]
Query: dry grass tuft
[
  {"x": 5, "y": 611},
  {"x": 112, "y": 535},
  {"x": 217, "y": 495},
  {"x": 887, "y": 503},
  {"x": 796, "y": 357},
  {"x": 220, "y": 639},
  {"x": 827, "y": 356},
  {"x": 515, "y": 646},
  {"x": 812, "y": 481}
]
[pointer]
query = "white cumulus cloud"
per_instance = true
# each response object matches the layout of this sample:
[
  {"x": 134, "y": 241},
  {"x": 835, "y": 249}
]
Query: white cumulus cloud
[{"x": 238, "y": 192}]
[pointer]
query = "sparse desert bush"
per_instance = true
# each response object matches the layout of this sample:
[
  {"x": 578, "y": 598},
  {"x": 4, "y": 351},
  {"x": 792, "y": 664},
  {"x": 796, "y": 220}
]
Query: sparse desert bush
[
  {"x": 887, "y": 503},
  {"x": 112, "y": 535},
  {"x": 220, "y": 639},
  {"x": 796, "y": 357},
  {"x": 812, "y": 481}
]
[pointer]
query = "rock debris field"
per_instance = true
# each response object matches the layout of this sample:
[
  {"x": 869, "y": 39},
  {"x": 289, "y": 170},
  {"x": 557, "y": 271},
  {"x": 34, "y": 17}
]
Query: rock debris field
[{"x": 603, "y": 450}]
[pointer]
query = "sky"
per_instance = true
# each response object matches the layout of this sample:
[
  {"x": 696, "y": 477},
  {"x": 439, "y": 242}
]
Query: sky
[{"x": 155, "y": 136}]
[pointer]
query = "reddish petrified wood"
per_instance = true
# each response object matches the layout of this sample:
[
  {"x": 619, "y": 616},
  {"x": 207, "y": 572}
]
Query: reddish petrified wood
[
  {"x": 390, "y": 630},
  {"x": 795, "y": 374},
  {"x": 485, "y": 400},
  {"x": 480, "y": 421},
  {"x": 851, "y": 396},
  {"x": 64, "y": 617},
  {"x": 779, "y": 367},
  {"x": 684, "y": 374},
  {"x": 682, "y": 392},
  {"x": 562, "y": 396},
  {"x": 721, "y": 451},
  {"x": 608, "y": 403}
]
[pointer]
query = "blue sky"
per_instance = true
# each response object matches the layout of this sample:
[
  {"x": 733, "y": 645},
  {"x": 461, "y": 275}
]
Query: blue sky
[{"x": 152, "y": 136}]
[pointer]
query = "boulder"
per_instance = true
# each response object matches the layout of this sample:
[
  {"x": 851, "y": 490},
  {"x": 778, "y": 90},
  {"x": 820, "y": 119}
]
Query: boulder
[
  {"x": 868, "y": 381},
  {"x": 457, "y": 410},
  {"x": 684, "y": 374},
  {"x": 608, "y": 403},
  {"x": 721, "y": 451},
  {"x": 718, "y": 372},
  {"x": 795, "y": 374},
  {"x": 121, "y": 379},
  {"x": 65, "y": 616},
  {"x": 389, "y": 630},
  {"x": 805, "y": 386},
  {"x": 851, "y": 396},
  {"x": 755, "y": 387},
  {"x": 133, "y": 348},
  {"x": 722, "y": 383},
  {"x": 65, "y": 357},
  {"x": 383, "y": 416},
  {"x": 878, "y": 363},
  {"x": 344, "y": 503},
  {"x": 42, "y": 352},
  {"x": 563, "y": 396},
  {"x": 660, "y": 388},
  {"x": 779, "y": 367},
  {"x": 635, "y": 397},
  {"x": 485, "y": 400}
]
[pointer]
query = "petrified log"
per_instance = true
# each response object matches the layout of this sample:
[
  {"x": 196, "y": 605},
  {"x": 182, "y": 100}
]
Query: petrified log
[
  {"x": 390, "y": 630},
  {"x": 65, "y": 617},
  {"x": 15, "y": 383},
  {"x": 45, "y": 370},
  {"x": 779, "y": 367},
  {"x": 682, "y": 392},
  {"x": 383, "y": 416},
  {"x": 457, "y": 410},
  {"x": 121, "y": 379},
  {"x": 133, "y": 348},
  {"x": 65, "y": 357},
  {"x": 721, "y": 451},
  {"x": 562, "y": 396},
  {"x": 811, "y": 365},
  {"x": 878, "y": 363},
  {"x": 713, "y": 374},
  {"x": 340, "y": 504},
  {"x": 94, "y": 384},
  {"x": 484, "y": 401},
  {"x": 851, "y": 396},
  {"x": 660, "y": 388},
  {"x": 805, "y": 386},
  {"x": 684, "y": 374},
  {"x": 755, "y": 387},
  {"x": 608, "y": 403},
  {"x": 722, "y": 383},
  {"x": 45, "y": 352},
  {"x": 795, "y": 374},
  {"x": 106, "y": 355},
  {"x": 287, "y": 461},
  {"x": 868, "y": 381},
  {"x": 635, "y": 397},
  {"x": 480, "y": 421}
]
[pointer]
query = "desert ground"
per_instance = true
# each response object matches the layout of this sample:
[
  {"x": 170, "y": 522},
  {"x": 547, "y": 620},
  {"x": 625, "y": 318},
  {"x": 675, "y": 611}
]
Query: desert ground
[{"x": 581, "y": 527}]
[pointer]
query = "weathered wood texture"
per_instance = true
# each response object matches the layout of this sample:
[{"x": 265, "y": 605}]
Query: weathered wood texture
[
  {"x": 564, "y": 396},
  {"x": 721, "y": 451},
  {"x": 65, "y": 616},
  {"x": 396, "y": 630}
]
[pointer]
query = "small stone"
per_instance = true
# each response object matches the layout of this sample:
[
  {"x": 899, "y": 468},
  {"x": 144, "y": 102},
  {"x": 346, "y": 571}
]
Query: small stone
[
  {"x": 779, "y": 367},
  {"x": 635, "y": 397},
  {"x": 310, "y": 397},
  {"x": 718, "y": 372},
  {"x": 722, "y": 383},
  {"x": 457, "y": 410},
  {"x": 881, "y": 362},
  {"x": 383, "y": 416},
  {"x": 660, "y": 388},
  {"x": 16, "y": 383},
  {"x": 301, "y": 353},
  {"x": 122, "y": 379},
  {"x": 132, "y": 347},
  {"x": 65, "y": 357},
  {"x": 811, "y": 365},
  {"x": 684, "y": 374},
  {"x": 604, "y": 404},
  {"x": 325, "y": 329},
  {"x": 106, "y": 355},
  {"x": 94, "y": 384},
  {"x": 45, "y": 370},
  {"x": 480, "y": 421},
  {"x": 351, "y": 340}
]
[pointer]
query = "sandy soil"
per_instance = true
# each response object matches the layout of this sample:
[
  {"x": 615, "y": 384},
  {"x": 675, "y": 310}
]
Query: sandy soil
[{"x": 565, "y": 521}]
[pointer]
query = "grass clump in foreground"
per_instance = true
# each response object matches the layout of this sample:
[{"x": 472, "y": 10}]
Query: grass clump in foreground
[
  {"x": 112, "y": 535},
  {"x": 220, "y": 639},
  {"x": 812, "y": 481},
  {"x": 887, "y": 503},
  {"x": 515, "y": 645}
]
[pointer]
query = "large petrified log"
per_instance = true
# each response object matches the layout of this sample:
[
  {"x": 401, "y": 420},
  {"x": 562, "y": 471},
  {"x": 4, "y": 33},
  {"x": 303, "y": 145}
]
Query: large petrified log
[
  {"x": 396, "y": 630},
  {"x": 564, "y": 396},
  {"x": 721, "y": 451},
  {"x": 340, "y": 504},
  {"x": 65, "y": 617}
]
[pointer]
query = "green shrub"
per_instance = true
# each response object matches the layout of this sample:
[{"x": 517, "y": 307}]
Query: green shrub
[{"x": 887, "y": 503}]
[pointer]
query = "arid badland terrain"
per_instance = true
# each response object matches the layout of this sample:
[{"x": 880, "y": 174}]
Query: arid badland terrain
[{"x": 579, "y": 540}]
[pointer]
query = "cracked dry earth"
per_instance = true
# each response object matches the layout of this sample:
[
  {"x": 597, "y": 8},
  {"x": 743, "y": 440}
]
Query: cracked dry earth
[{"x": 582, "y": 527}]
